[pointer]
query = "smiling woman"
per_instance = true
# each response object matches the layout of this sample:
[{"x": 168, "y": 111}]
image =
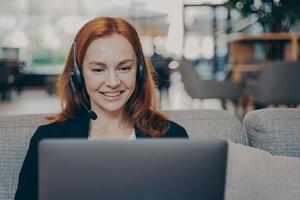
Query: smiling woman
[
  {"x": 110, "y": 76},
  {"x": 109, "y": 68},
  {"x": 107, "y": 91}
]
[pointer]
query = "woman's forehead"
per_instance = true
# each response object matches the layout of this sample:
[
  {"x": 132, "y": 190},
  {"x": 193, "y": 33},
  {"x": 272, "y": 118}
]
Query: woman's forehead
[{"x": 110, "y": 48}]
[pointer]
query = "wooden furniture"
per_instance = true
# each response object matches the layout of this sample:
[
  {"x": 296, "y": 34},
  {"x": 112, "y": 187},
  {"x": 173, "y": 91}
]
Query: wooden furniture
[
  {"x": 243, "y": 56},
  {"x": 241, "y": 48}
]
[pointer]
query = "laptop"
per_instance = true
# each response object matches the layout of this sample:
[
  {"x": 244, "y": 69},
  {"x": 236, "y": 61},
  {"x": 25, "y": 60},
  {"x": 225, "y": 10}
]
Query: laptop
[{"x": 151, "y": 169}]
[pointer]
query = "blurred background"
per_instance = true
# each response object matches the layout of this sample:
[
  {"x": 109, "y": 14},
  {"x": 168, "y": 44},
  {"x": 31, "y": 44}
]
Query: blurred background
[{"x": 238, "y": 55}]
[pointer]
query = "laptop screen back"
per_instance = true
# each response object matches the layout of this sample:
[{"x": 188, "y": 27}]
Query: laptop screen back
[{"x": 142, "y": 169}]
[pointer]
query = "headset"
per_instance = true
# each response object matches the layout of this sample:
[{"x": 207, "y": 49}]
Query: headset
[{"x": 77, "y": 79}]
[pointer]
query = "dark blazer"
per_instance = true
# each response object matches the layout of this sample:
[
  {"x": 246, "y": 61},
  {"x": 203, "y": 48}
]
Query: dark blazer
[{"x": 72, "y": 128}]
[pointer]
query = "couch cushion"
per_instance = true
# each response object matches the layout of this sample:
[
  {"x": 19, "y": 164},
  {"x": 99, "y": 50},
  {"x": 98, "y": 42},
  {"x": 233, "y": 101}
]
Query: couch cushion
[
  {"x": 274, "y": 130},
  {"x": 16, "y": 131},
  {"x": 210, "y": 123},
  {"x": 15, "y": 134},
  {"x": 256, "y": 174}
]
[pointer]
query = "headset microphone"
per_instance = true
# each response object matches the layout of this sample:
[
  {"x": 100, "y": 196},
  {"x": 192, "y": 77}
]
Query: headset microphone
[
  {"x": 77, "y": 82},
  {"x": 92, "y": 115}
]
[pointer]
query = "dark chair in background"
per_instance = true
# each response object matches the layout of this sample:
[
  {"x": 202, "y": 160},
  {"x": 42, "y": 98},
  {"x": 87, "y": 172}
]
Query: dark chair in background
[
  {"x": 4, "y": 81},
  {"x": 10, "y": 76},
  {"x": 160, "y": 65},
  {"x": 205, "y": 89},
  {"x": 162, "y": 75},
  {"x": 278, "y": 84}
]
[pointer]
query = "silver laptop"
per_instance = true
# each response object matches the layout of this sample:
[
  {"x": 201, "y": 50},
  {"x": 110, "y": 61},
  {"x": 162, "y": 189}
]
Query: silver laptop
[{"x": 152, "y": 169}]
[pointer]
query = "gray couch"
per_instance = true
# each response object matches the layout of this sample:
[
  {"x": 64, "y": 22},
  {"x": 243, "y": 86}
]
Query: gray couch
[{"x": 252, "y": 173}]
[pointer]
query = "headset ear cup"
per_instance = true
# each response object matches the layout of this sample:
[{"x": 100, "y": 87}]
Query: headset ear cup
[
  {"x": 79, "y": 77},
  {"x": 76, "y": 81},
  {"x": 140, "y": 73},
  {"x": 71, "y": 79},
  {"x": 76, "y": 77}
]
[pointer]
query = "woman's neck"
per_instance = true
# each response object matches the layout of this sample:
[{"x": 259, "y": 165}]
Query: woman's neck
[{"x": 110, "y": 125}]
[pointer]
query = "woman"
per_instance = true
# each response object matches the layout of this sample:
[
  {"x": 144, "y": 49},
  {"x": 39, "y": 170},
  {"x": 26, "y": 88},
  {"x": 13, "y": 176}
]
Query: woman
[{"x": 107, "y": 92}]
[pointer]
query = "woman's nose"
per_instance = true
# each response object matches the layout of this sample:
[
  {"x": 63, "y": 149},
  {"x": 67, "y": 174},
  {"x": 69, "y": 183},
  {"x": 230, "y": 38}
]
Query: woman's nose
[{"x": 112, "y": 80}]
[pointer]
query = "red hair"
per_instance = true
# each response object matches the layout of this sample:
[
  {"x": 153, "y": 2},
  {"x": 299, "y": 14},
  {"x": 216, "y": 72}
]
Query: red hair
[{"x": 141, "y": 109}]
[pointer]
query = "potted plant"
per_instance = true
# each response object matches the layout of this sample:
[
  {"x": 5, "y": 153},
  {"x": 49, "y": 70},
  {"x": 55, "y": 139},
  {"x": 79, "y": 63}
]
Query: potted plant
[{"x": 275, "y": 15}]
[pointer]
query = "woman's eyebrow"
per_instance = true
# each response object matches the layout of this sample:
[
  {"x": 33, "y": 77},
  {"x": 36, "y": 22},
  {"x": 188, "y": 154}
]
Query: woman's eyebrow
[
  {"x": 104, "y": 64},
  {"x": 97, "y": 63},
  {"x": 125, "y": 61}
]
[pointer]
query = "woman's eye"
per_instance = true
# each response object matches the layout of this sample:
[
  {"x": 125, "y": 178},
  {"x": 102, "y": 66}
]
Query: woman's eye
[
  {"x": 125, "y": 69},
  {"x": 97, "y": 70}
]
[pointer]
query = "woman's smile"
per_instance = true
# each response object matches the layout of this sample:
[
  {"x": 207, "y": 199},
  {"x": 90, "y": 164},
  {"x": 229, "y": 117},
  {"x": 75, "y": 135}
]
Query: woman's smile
[{"x": 112, "y": 94}]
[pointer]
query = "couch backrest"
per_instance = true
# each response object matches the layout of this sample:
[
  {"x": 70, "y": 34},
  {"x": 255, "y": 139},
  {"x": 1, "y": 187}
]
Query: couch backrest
[
  {"x": 16, "y": 131},
  {"x": 274, "y": 130},
  {"x": 15, "y": 134},
  {"x": 210, "y": 123}
]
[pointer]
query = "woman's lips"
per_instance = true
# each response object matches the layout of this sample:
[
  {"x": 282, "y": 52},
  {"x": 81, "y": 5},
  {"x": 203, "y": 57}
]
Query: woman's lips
[{"x": 112, "y": 94}]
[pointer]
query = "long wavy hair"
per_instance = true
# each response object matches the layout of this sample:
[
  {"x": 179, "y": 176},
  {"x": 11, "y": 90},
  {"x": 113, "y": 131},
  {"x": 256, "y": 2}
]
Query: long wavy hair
[{"x": 141, "y": 109}]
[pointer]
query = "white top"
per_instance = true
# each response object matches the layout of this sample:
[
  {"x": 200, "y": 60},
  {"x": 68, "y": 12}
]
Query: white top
[{"x": 132, "y": 136}]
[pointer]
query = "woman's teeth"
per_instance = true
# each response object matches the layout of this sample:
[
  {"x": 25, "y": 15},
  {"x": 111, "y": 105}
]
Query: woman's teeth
[{"x": 112, "y": 94}]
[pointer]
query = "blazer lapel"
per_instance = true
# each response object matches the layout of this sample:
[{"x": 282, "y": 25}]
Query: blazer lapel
[
  {"x": 140, "y": 135},
  {"x": 79, "y": 127}
]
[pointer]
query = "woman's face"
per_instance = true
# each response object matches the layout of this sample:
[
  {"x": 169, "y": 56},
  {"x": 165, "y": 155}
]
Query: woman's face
[{"x": 109, "y": 70}]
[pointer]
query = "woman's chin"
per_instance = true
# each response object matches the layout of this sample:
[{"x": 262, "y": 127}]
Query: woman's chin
[{"x": 111, "y": 107}]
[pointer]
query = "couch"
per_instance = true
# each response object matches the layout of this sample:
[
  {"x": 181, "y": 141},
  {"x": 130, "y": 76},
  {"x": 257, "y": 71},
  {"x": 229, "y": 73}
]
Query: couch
[{"x": 262, "y": 150}]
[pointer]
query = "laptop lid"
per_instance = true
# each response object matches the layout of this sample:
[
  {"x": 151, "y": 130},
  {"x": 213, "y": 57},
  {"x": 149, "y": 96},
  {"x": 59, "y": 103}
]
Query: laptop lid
[{"x": 161, "y": 169}]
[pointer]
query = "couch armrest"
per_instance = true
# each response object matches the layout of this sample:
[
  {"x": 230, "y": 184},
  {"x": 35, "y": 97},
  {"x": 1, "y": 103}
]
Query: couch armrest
[
  {"x": 256, "y": 174},
  {"x": 276, "y": 130}
]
